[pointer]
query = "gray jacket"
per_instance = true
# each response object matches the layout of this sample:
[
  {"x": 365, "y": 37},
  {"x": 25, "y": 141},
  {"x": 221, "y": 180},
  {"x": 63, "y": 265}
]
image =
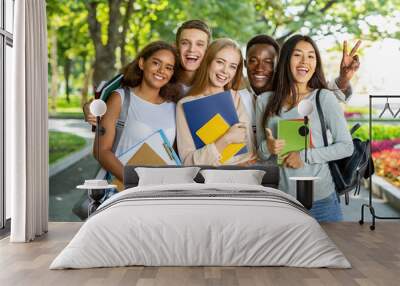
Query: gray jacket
[{"x": 340, "y": 142}]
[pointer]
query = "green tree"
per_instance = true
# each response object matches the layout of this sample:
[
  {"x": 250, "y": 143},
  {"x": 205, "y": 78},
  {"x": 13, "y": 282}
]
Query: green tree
[
  {"x": 67, "y": 24},
  {"x": 321, "y": 18},
  {"x": 122, "y": 26},
  {"x": 94, "y": 38}
]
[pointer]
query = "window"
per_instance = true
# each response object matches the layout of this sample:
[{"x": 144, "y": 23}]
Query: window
[
  {"x": 9, "y": 15},
  {"x": 6, "y": 65}
]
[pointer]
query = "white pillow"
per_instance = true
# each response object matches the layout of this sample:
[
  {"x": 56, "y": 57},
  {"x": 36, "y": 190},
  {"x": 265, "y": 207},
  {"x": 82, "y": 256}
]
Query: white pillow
[
  {"x": 166, "y": 176},
  {"x": 248, "y": 177}
]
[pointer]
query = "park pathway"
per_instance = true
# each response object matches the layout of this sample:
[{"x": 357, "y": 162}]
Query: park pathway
[
  {"x": 63, "y": 194},
  {"x": 76, "y": 126}
]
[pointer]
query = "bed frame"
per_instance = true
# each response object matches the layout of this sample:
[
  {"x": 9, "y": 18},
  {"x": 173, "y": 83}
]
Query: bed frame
[
  {"x": 131, "y": 179},
  {"x": 270, "y": 179}
]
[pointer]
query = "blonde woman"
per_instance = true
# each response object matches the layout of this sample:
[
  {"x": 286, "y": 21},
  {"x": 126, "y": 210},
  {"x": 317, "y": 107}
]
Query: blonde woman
[{"x": 220, "y": 70}]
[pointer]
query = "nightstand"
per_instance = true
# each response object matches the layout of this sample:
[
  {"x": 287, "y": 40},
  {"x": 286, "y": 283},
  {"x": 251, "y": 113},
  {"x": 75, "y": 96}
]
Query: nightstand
[{"x": 305, "y": 190}]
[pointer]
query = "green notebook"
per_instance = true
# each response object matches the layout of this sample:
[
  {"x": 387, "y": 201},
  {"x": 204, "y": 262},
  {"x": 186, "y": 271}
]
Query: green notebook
[{"x": 288, "y": 130}]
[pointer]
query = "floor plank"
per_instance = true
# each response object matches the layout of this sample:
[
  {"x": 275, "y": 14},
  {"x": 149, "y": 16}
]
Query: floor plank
[{"x": 374, "y": 255}]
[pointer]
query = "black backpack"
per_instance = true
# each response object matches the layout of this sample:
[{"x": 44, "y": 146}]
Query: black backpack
[{"x": 348, "y": 172}]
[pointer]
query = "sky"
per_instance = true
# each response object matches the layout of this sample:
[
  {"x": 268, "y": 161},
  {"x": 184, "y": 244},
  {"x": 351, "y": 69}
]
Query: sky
[{"x": 378, "y": 73}]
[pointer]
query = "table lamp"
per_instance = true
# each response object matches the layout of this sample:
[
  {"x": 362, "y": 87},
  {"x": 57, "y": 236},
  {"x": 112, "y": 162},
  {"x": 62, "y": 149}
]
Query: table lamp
[
  {"x": 305, "y": 108},
  {"x": 98, "y": 108},
  {"x": 305, "y": 185},
  {"x": 96, "y": 188}
]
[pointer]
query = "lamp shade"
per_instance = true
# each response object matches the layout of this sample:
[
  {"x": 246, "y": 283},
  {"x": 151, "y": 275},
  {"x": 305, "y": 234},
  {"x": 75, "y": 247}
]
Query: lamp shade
[
  {"x": 305, "y": 107},
  {"x": 98, "y": 107}
]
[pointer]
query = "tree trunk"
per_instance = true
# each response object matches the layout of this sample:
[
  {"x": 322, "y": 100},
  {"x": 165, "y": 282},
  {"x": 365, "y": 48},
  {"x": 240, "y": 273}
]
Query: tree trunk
[
  {"x": 125, "y": 27},
  {"x": 103, "y": 66},
  {"x": 67, "y": 73},
  {"x": 85, "y": 87},
  {"x": 54, "y": 72},
  {"x": 104, "y": 63},
  {"x": 136, "y": 44}
]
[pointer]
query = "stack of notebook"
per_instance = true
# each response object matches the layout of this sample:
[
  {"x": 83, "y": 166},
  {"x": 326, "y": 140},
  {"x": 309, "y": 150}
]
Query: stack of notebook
[
  {"x": 154, "y": 150},
  {"x": 209, "y": 118}
]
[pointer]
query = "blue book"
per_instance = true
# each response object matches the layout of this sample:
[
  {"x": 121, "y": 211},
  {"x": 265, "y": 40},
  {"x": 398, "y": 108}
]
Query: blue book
[
  {"x": 198, "y": 112},
  {"x": 160, "y": 144}
]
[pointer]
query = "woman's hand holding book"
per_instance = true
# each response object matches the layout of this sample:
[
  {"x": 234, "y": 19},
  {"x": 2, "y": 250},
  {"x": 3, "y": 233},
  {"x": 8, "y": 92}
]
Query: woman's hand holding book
[{"x": 275, "y": 146}]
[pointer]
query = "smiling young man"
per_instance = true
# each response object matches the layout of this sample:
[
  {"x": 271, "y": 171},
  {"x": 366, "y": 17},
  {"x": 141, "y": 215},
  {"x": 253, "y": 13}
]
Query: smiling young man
[
  {"x": 262, "y": 53},
  {"x": 192, "y": 40}
]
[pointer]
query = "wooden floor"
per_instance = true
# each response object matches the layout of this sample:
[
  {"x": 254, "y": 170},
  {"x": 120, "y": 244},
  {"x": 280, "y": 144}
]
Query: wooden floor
[{"x": 374, "y": 255}]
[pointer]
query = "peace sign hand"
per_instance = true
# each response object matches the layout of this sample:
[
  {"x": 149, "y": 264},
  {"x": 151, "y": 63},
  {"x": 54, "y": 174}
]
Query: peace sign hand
[{"x": 349, "y": 65}]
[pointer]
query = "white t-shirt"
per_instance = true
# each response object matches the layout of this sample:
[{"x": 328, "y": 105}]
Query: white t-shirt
[
  {"x": 144, "y": 118},
  {"x": 249, "y": 101}
]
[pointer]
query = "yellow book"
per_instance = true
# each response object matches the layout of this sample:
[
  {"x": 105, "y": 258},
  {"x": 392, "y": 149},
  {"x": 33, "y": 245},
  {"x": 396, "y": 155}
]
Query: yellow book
[
  {"x": 213, "y": 130},
  {"x": 230, "y": 151}
]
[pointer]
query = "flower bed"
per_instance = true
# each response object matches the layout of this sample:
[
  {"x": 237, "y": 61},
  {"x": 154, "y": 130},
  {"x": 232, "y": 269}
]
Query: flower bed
[
  {"x": 385, "y": 151},
  {"x": 387, "y": 165},
  {"x": 377, "y": 146},
  {"x": 352, "y": 115}
]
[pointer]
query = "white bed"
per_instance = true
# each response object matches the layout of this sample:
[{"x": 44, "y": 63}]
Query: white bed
[{"x": 201, "y": 224}]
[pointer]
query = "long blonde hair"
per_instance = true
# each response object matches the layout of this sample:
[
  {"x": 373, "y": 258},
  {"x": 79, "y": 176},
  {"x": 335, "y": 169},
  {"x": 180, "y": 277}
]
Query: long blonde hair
[{"x": 202, "y": 80}]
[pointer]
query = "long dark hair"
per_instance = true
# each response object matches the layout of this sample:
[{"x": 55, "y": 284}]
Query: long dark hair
[
  {"x": 133, "y": 75},
  {"x": 283, "y": 83}
]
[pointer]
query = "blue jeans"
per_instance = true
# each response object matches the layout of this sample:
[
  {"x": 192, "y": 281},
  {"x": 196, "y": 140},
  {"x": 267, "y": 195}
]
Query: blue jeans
[
  {"x": 327, "y": 210},
  {"x": 109, "y": 193}
]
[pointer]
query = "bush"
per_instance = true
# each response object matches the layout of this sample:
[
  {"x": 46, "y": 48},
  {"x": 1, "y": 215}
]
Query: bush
[
  {"x": 379, "y": 132},
  {"x": 63, "y": 107},
  {"x": 75, "y": 101}
]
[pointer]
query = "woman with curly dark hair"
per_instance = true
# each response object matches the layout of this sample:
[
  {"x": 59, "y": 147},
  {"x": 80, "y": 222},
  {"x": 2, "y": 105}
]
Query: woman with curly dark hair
[{"x": 151, "y": 84}]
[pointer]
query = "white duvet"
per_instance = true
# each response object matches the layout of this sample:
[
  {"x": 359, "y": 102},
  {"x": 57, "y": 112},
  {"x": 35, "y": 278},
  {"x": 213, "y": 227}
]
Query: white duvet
[{"x": 183, "y": 231}]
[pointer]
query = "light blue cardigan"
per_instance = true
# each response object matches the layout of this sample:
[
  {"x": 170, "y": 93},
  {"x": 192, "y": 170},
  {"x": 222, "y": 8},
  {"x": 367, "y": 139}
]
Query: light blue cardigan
[{"x": 340, "y": 142}]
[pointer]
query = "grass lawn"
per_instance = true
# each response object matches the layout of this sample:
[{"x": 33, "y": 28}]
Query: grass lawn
[
  {"x": 67, "y": 115},
  {"x": 64, "y": 109},
  {"x": 62, "y": 144}
]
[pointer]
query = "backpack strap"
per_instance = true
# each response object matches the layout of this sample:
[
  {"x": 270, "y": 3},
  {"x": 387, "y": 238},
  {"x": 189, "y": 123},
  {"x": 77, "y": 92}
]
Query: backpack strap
[
  {"x": 323, "y": 128},
  {"x": 323, "y": 131},
  {"x": 355, "y": 128},
  {"x": 321, "y": 118},
  {"x": 123, "y": 115}
]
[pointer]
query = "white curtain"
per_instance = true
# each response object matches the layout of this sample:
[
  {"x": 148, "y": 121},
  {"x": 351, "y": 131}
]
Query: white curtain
[{"x": 26, "y": 120}]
